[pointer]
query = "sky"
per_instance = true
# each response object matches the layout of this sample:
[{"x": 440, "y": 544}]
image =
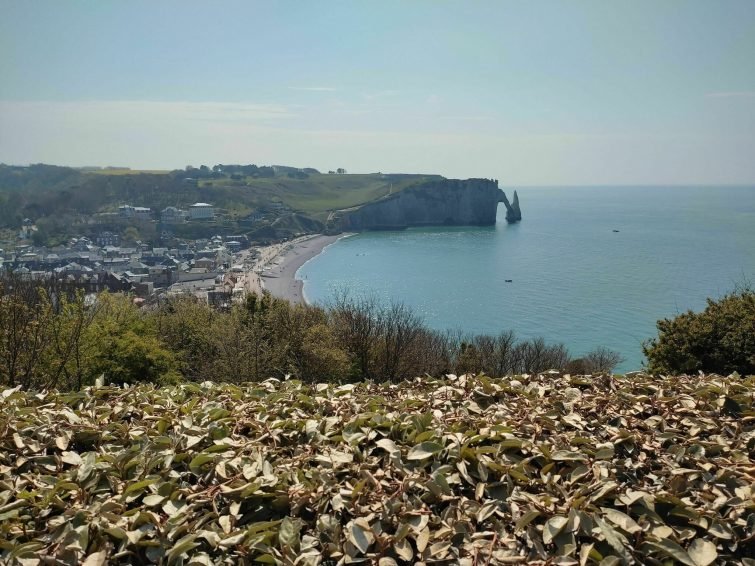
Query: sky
[{"x": 542, "y": 92}]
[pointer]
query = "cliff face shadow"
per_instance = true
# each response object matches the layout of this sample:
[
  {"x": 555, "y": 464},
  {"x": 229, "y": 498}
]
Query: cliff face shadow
[{"x": 444, "y": 202}]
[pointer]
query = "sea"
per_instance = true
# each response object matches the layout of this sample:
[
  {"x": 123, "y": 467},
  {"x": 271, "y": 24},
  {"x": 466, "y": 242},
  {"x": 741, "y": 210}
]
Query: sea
[{"x": 586, "y": 266}]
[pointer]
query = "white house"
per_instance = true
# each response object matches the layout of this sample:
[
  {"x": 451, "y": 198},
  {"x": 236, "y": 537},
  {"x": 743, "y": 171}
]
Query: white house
[
  {"x": 173, "y": 215},
  {"x": 138, "y": 212},
  {"x": 27, "y": 229},
  {"x": 201, "y": 211}
]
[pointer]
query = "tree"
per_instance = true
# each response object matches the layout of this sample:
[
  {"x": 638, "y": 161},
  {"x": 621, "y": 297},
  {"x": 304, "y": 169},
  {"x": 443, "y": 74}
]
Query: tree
[
  {"x": 124, "y": 346},
  {"x": 187, "y": 327},
  {"x": 40, "y": 237},
  {"x": 133, "y": 357},
  {"x": 356, "y": 325},
  {"x": 535, "y": 355},
  {"x": 322, "y": 358},
  {"x": 469, "y": 359},
  {"x": 67, "y": 349},
  {"x": 131, "y": 235},
  {"x": 602, "y": 360},
  {"x": 399, "y": 328},
  {"x": 24, "y": 326},
  {"x": 721, "y": 339}
]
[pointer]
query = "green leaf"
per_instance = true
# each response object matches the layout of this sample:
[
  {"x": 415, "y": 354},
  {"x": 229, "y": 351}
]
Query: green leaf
[
  {"x": 670, "y": 548},
  {"x": 605, "y": 453},
  {"x": 86, "y": 467},
  {"x": 487, "y": 509},
  {"x": 200, "y": 460},
  {"x": 552, "y": 527},
  {"x": 139, "y": 486},
  {"x": 422, "y": 539},
  {"x": 721, "y": 530},
  {"x": 526, "y": 519},
  {"x": 12, "y": 514},
  {"x": 424, "y": 450},
  {"x": 233, "y": 540},
  {"x": 174, "y": 507},
  {"x": 288, "y": 535},
  {"x": 71, "y": 458},
  {"x": 183, "y": 546},
  {"x": 360, "y": 534},
  {"x": 96, "y": 559},
  {"x": 702, "y": 552},
  {"x": 616, "y": 540},
  {"x": 621, "y": 520},
  {"x": 568, "y": 456},
  {"x": 388, "y": 445},
  {"x": 403, "y": 550},
  {"x": 152, "y": 500}
]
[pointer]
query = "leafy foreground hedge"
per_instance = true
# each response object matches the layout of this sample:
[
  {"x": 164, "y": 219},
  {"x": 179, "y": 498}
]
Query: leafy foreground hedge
[{"x": 463, "y": 470}]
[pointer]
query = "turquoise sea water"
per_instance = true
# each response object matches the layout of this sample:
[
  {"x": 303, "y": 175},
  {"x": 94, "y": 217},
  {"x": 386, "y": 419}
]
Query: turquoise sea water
[{"x": 574, "y": 280}]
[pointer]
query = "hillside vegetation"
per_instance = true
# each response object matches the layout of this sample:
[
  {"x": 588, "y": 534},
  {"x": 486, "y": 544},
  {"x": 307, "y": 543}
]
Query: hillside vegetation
[
  {"x": 62, "y": 200},
  {"x": 52, "y": 336},
  {"x": 466, "y": 470},
  {"x": 719, "y": 339},
  {"x": 318, "y": 194}
]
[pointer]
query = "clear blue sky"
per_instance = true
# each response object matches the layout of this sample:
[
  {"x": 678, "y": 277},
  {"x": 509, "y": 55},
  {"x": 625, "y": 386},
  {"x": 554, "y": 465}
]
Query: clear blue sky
[{"x": 535, "y": 92}]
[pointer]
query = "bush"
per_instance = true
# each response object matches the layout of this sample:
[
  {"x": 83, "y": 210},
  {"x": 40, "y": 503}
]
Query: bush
[
  {"x": 721, "y": 339},
  {"x": 342, "y": 474},
  {"x": 601, "y": 360}
]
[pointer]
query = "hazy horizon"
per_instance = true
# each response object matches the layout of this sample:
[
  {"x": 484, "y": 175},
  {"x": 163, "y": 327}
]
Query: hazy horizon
[{"x": 535, "y": 94}]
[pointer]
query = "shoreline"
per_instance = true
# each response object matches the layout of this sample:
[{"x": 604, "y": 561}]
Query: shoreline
[{"x": 283, "y": 260}]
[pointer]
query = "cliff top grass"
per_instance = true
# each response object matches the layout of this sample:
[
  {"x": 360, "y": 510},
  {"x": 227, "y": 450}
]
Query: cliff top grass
[
  {"x": 471, "y": 470},
  {"x": 318, "y": 194},
  {"x": 50, "y": 191}
]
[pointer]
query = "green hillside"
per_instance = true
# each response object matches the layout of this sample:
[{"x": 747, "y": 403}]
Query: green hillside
[
  {"x": 317, "y": 195},
  {"x": 65, "y": 201}
]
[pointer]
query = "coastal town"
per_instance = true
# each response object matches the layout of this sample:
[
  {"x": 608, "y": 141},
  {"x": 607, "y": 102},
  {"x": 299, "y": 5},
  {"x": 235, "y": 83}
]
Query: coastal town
[
  {"x": 216, "y": 233},
  {"x": 218, "y": 270}
]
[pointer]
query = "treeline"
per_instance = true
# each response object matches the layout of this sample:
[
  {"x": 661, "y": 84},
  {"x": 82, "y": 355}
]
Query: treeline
[
  {"x": 52, "y": 336},
  {"x": 46, "y": 193},
  {"x": 220, "y": 171}
]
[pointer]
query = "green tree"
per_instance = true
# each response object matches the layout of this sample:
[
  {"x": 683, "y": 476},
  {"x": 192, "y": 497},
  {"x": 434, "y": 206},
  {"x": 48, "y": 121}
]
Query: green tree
[
  {"x": 133, "y": 358},
  {"x": 65, "y": 362},
  {"x": 131, "y": 235},
  {"x": 187, "y": 327},
  {"x": 124, "y": 346},
  {"x": 721, "y": 339},
  {"x": 24, "y": 331}
]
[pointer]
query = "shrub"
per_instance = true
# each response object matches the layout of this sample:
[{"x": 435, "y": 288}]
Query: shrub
[{"x": 721, "y": 339}]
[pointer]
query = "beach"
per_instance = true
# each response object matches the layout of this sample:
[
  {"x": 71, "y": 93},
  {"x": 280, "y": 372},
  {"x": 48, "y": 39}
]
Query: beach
[{"x": 280, "y": 262}]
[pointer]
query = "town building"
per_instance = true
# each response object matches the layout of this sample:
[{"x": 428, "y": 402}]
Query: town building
[
  {"x": 27, "y": 229},
  {"x": 201, "y": 211},
  {"x": 173, "y": 215},
  {"x": 134, "y": 212},
  {"x": 108, "y": 238}
]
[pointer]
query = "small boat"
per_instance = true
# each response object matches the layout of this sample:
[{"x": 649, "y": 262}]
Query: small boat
[
  {"x": 508, "y": 280},
  {"x": 615, "y": 230}
]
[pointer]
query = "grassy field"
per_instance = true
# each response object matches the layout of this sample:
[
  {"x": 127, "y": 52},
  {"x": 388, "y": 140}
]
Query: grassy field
[
  {"x": 127, "y": 172},
  {"x": 316, "y": 195},
  {"x": 544, "y": 469},
  {"x": 55, "y": 196}
]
